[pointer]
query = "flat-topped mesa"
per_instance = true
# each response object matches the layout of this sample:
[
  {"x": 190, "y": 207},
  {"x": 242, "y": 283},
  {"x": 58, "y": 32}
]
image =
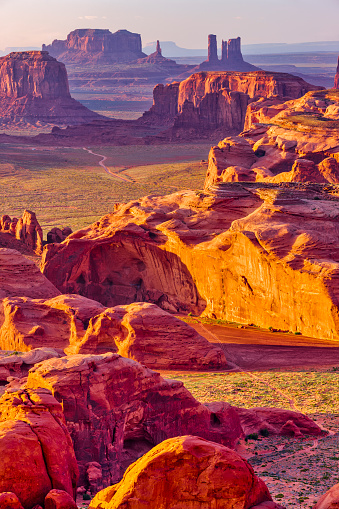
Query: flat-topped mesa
[
  {"x": 34, "y": 87},
  {"x": 211, "y": 100},
  {"x": 33, "y": 74},
  {"x": 97, "y": 45},
  {"x": 336, "y": 78}
]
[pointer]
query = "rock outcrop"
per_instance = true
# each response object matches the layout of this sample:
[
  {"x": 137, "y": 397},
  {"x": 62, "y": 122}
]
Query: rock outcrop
[
  {"x": 330, "y": 500},
  {"x": 116, "y": 410},
  {"x": 140, "y": 331},
  {"x": 277, "y": 421},
  {"x": 231, "y": 57},
  {"x": 207, "y": 101},
  {"x": 34, "y": 87},
  {"x": 20, "y": 276},
  {"x": 250, "y": 253},
  {"x": 84, "y": 46},
  {"x": 186, "y": 472},
  {"x": 336, "y": 78},
  {"x": 26, "y": 229},
  {"x": 35, "y": 447},
  {"x": 58, "y": 235},
  {"x": 157, "y": 59}
]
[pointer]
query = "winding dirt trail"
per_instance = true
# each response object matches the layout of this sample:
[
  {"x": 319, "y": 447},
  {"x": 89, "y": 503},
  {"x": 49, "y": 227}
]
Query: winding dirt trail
[{"x": 107, "y": 170}]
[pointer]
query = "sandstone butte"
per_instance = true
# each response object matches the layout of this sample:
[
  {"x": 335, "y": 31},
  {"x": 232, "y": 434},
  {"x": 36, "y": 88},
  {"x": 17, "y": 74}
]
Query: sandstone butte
[
  {"x": 35, "y": 448},
  {"x": 186, "y": 472},
  {"x": 84, "y": 46},
  {"x": 140, "y": 331},
  {"x": 34, "y": 87},
  {"x": 215, "y": 100}
]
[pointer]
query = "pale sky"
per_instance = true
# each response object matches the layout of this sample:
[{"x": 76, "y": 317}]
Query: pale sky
[{"x": 186, "y": 22}]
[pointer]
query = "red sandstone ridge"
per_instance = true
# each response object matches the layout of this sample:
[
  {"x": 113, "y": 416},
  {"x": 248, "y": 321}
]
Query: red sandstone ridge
[
  {"x": 84, "y": 46},
  {"x": 215, "y": 100},
  {"x": 186, "y": 472},
  {"x": 34, "y": 86}
]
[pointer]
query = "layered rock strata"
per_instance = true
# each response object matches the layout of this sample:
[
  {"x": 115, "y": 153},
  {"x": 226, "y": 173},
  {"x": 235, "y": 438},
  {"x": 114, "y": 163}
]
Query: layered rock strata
[
  {"x": 34, "y": 87},
  {"x": 116, "y": 410},
  {"x": 212, "y": 100},
  {"x": 188, "y": 472},
  {"x": 84, "y": 46},
  {"x": 259, "y": 253}
]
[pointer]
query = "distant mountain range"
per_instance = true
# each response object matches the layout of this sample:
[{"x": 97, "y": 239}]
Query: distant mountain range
[{"x": 171, "y": 50}]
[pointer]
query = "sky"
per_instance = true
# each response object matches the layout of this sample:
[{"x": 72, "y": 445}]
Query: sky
[{"x": 186, "y": 22}]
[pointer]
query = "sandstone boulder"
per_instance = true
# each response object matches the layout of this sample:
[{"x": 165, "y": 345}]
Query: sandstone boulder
[
  {"x": 58, "y": 235},
  {"x": 330, "y": 500},
  {"x": 186, "y": 472},
  {"x": 35, "y": 447},
  {"x": 59, "y": 499},
  {"x": 116, "y": 410},
  {"x": 17, "y": 365},
  {"x": 9, "y": 500},
  {"x": 277, "y": 421}
]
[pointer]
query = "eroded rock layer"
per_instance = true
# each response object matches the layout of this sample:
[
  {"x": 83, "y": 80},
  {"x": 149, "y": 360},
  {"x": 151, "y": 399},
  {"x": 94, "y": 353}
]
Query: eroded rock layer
[
  {"x": 34, "y": 87},
  {"x": 84, "y": 46},
  {"x": 116, "y": 410},
  {"x": 259, "y": 253}
]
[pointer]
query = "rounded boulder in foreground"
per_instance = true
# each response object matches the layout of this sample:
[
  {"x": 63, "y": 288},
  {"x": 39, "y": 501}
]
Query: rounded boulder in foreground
[{"x": 186, "y": 473}]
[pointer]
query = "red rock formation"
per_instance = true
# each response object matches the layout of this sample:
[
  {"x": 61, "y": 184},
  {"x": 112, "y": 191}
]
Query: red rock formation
[
  {"x": 277, "y": 422},
  {"x": 84, "y": 46},
  {"x": 207, "y": 101},
  {"x": 212, "y": 49},
  {"x": 18, "y": 364},
  {"x": 57, "y": 235},
  {"x": 34, "y": 87},
  {"x": 20, "y": 276},
  {"x": 29, "y": 231},
  {"x": 9, "y": 500},
  {"x": 330, "y": 500},
  {"x": 157, "y": 59},
  {"x": 194, "y": 251},
  {"x": 116, "y": 410},
  {"x": 59, "y": 499},
  {"x": 190, "y": 471},
  {"x": 35, "y": 447},
  {"x": 336, "y": 78},
  {"x": 140, "y": 331}
]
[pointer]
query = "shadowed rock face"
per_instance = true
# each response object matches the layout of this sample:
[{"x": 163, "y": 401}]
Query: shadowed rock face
[
  {"x": 34, "y": 86},
  {"x": 96, "y": 45},
  {"x": 336, "y": 79},
  {"x": 116, "y": 410},
  {"x": 190, "y": 471}
]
